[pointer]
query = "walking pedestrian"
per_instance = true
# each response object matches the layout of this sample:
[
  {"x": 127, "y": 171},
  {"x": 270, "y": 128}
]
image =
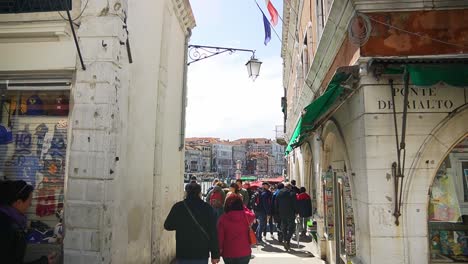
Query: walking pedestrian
[
  {"x": 294, "y": 187},
  {"x": 234, "y": 189},
  {"x": 15, "y": 200},
  {"x": 304, "y": 207},
  {"x": 286, "y": 206},
  {"x": 215, "y": 181},
  {"x": 250, "y": 192},
  {"x": 233, "y": 231},
  {"x": 245, "y": 194},
  {"x": 195, "y": 225},
  {"x": 263, "y": 209},
  {"x": 275, "y": 213},
  {"x": 216, "y": 198}
]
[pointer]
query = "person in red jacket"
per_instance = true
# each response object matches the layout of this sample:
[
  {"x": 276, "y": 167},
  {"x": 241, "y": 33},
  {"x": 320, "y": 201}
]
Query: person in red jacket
[
  {"x": 233, "y": 231},
  {"x": 304, "y": 206}
]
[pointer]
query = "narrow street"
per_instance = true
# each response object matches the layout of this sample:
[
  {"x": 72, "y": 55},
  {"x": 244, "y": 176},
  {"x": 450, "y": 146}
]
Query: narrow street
[{"x": 272, "y": 252}]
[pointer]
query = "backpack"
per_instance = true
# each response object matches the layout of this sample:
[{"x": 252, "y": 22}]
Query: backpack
[
  {"x": 255, "y": 200},
  {"x": 216, "y": 199}
]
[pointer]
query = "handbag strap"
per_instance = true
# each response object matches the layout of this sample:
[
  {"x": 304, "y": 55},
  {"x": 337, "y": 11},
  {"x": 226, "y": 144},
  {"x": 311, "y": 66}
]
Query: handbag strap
[{"x": 196, "y": 222}]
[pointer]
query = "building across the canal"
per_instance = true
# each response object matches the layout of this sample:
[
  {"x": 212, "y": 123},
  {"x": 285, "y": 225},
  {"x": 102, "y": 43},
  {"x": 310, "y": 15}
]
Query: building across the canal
[
  {"x": 377, "y": 125},
  {"x": 257, "y": 156},
  {"x": 101, "y": 139}
]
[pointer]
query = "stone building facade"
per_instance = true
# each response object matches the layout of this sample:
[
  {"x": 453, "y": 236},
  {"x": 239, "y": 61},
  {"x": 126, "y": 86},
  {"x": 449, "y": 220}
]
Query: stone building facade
[
  {"x": 113, "y": 156},
  {"x": 377, "y": 122}
]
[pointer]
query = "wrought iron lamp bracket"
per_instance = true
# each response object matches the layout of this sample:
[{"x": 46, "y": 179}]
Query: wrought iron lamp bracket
[{"x": 199, "y": 52}]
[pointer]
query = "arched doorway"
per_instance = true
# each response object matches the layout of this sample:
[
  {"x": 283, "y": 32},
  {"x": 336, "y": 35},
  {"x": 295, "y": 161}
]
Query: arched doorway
[
  {"x": 448, "y": 208},
  {"x": 338, "y": 212},
  {"x": 435, "y": 149}
]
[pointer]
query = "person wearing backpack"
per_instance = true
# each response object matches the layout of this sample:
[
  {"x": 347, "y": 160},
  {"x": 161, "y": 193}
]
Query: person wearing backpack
[
  {"x": 216, "y": 198},
  {"x": 262, "y": 209}
]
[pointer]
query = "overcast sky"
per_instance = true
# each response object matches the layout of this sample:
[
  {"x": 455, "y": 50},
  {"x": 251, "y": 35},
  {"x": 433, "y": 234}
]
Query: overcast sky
[{"x": 222, "y": 101}]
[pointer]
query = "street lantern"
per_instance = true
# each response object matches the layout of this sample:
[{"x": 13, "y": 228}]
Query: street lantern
[
  {"x": 199, "y": 52},
  {"x": 253, "y": 68}
]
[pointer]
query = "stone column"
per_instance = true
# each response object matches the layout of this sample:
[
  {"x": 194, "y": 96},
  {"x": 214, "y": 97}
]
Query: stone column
[{"x": 95, "y": 132}]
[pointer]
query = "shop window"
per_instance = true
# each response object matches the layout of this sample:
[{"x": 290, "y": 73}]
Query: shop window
[
  {"x": 33, "y": 144},
  {"x": 448, "y": 208}
]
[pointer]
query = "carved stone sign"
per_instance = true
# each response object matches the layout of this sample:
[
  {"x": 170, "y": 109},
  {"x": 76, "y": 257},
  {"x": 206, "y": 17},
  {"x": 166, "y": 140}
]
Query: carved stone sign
[{"x": 438, "y": 98}]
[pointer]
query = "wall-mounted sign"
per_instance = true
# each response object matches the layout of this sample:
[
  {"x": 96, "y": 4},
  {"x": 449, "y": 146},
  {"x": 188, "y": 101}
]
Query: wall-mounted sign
[
  {"x": 437, "y": 98},
  {"x": 28, "y": 6}
]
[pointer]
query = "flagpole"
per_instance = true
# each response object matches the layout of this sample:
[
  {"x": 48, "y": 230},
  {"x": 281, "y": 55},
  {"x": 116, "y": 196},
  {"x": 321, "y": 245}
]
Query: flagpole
[{"x": 271, "y": 26}]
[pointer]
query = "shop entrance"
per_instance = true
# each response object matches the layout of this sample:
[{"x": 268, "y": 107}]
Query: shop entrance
[
  {"x": 448, "y": 208},
  {"x": 33, "y": 146}
]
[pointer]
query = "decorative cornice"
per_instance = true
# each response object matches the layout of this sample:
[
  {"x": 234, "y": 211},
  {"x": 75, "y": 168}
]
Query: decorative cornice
[
  {"x": 53, "y": 30},
  {"x": 184, "y": 14}
]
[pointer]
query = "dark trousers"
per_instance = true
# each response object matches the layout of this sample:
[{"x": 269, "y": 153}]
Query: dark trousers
[
  {"x": 288, "y": 227},
  {"x": 241, "y": 260},
  {"x": 278, "y": 228},
  {"x": 262, "y": 220}
]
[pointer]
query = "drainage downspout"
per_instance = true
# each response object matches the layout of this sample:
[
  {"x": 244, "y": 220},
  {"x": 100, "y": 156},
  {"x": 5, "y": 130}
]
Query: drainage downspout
[{"x": 184, "y": 92}]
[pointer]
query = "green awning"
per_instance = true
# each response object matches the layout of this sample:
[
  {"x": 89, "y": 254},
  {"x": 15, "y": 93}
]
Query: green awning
[
  {"x": 316, "y": 109},
  {"x": 249, "y": 178},
  {"x": 455, "y": 74},
  {"x": 428, "y": 75}
]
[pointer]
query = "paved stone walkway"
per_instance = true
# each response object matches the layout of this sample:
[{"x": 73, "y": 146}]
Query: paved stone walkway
[{"x": 272, "y": 252}]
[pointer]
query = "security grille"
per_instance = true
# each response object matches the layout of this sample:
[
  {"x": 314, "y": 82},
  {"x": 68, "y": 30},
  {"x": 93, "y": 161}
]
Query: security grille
[{"x": 27, "y": 6}]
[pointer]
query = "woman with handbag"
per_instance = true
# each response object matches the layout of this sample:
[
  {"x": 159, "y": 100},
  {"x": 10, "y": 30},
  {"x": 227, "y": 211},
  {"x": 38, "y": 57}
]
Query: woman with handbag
[
  {"x": 195, "y": 225},
  {"x": 234, "y": 232}
]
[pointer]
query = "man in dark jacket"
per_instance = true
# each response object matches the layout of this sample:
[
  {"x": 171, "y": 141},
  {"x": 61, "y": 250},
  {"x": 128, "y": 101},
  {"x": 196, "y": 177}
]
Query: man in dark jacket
[
  {"x": 287, "y": 208},
  {"x": 294, "y": 187},
  {"x": 195, "y": 225},
  {"x": 263, "y": 209},
  {"x": 304, "y": 207},
  {"x": 275, "y": 213}
]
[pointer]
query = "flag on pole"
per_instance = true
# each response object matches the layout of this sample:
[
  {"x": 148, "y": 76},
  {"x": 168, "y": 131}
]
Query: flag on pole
[
  {"x": 266, "y": 25},
  {"x": 273, "y": 12}
]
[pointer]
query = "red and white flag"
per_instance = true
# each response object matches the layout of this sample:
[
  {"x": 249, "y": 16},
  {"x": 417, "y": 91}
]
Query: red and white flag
[{"x": 273, "y": 12}]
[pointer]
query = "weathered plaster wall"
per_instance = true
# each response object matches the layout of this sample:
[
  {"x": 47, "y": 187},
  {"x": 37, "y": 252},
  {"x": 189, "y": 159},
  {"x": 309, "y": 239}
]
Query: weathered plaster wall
[{"x": 449, "y": 26}]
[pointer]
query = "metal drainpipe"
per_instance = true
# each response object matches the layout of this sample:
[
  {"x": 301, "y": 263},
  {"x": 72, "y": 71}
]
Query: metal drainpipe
[{"x": 184, "y": 92}]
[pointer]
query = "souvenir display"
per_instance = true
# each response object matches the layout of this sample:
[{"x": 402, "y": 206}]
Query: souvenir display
[{"x": 33, "y": 143}]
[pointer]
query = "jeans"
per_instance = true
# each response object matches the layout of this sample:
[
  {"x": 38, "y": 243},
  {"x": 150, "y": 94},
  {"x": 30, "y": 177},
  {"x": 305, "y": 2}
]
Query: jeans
[
  {"x": 262, "y": 219},
  {"x": 192, "y": 261},
  {"x": 288, "y": 227},
  {"x": 241, "y": 260}
]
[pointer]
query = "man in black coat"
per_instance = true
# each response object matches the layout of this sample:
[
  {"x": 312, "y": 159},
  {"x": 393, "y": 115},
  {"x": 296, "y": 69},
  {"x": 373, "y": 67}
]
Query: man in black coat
[
  {"x": 286, "y": 207},
  {"x": 195, "y": 225}
]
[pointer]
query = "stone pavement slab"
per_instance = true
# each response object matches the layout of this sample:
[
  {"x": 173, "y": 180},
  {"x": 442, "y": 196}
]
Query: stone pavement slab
[{"x": 272, "y": 252}]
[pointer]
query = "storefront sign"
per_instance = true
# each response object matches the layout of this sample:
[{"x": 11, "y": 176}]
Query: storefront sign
[
  {"x": 28, "y": 6},
  {"x": 439, "y": 98}
]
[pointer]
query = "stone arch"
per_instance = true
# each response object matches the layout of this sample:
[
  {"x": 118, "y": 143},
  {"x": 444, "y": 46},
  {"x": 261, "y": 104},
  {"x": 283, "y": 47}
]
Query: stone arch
[
  {"x": 335, "y": 152},
  {"x": 334, "y": 146},
  {"x": 432, "y": 153}
]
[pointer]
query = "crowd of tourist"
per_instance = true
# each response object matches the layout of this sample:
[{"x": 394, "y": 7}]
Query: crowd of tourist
[{"x": 228, "y": 220}]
